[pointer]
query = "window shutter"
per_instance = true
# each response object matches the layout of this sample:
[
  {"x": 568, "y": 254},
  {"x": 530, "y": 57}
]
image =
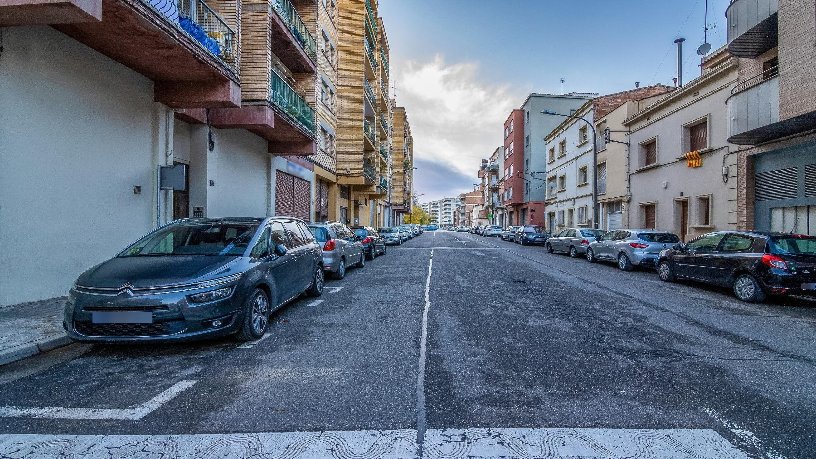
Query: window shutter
[
  {"x": 650, "y": 153},
  {"x": 698, "y": 136}
]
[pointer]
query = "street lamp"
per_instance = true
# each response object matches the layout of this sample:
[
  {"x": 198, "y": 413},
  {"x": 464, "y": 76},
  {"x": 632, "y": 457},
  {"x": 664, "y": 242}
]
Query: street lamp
[{"x": 595, "y": 210}]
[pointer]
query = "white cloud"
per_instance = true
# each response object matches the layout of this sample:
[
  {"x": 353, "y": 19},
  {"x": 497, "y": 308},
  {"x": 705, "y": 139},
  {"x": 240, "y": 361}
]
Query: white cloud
[{"x": 456, "y": 118}]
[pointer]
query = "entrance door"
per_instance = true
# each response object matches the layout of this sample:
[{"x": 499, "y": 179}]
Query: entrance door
[
  {"x": 683, "y": 209},
  {"x": 181, "y": 200}
]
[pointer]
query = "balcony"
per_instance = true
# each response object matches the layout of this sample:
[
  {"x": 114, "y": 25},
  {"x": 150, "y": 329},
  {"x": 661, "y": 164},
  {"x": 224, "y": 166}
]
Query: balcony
[
  {"x": 369, "y": 92},
  {"x": 369, "y": 132},
  {"x": 371, "y": 70},
  {"x": 369, "y": 171},
  {"x": 185, "y": 47},
  {"x": 383, "y": 124},
  {"x": 371, "y": 29},
  {"x": 370, "y": 13},
  {"x": 753, "y": 27},
  {"x": 291, "y": 104},
  {"x": 384, "y": 61},
  {"x": 291, "y": 40},
  {"x": 384, "y": 151},
  {"x": 752, "y": 107}
]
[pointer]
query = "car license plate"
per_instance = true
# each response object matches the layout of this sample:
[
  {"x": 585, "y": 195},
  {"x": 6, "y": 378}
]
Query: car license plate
[
  {"x": 122, "y": 317},
  {"x": 810, "y": 286}
]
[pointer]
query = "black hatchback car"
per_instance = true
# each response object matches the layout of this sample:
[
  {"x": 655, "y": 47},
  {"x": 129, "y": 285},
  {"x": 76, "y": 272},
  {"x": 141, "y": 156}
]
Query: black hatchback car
[
  {"x": 531, "y": 235},
  {"x": 753, "y": 264},
  {"x": 196, "y": 278},
  {"x": 373, "y": 243}
]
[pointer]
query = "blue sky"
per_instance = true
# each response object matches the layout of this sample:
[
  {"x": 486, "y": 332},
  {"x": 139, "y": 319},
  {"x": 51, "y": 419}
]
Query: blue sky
[{"x": 460, "y": 66}]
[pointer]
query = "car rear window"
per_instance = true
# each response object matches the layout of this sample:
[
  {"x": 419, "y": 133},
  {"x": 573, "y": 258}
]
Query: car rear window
[
  {"x": 591, "y": 233},
  {"x": 321, "y": 234},
  {"x": 794, "y": 245},
  {"x": 387, "y": 230},
  {"x": 361, "y": 232},
  {"x": 533, "y": 229},
  {"x": 660, "y": 238}
]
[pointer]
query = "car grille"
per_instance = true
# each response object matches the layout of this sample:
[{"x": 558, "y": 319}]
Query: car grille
[{"x": 92, "y": 329}]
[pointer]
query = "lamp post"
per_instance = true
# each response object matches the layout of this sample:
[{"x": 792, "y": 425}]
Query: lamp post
[{"x": 595, "y": 210}]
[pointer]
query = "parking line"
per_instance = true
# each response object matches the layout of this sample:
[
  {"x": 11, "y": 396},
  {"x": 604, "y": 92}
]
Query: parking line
[
  {"x": 252, "y": 344},
  {"x": 334, "y": 289},
  {"x": 314, "y": 303},
  {"x": 128, "y": 414}
]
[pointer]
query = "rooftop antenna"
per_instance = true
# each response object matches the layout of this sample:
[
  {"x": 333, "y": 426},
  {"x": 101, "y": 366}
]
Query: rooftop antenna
[
  {"x": 706, "y": 46},
  {"x": 562, "y": 86}
]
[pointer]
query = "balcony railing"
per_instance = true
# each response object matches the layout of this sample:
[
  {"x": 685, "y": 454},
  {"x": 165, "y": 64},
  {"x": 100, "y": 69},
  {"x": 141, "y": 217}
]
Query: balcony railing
[
  {"x": 752, "y": 27},
  {"x": 753, "y": 105},
  {"x": 383, "y": 123},
  {"x": 291, "y": 103},
  {"x": 383, "y": 183},
  {"x": 369, "y": 91},
  {"x": 384, "y": 90},
  {"x": 290, "y": 16},
  {"x": 203, "y": 24},
  {"x": 369, "y": 131},
  {"x": 370, "y": 29},
  {"x": 384, "y": 61},
  {"x": 371, "y": 16},
  {"x": 369, "y": 171},
  {"x": 384, "y": 151},
  {"x": 370, "y": 52}
]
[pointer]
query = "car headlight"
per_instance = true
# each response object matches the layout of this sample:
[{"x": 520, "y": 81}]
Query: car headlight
[{"x": 212, "y": 295}]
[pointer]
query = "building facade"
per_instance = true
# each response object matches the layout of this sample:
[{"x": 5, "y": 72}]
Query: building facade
[
  {"x": 682, "y": 168},
  {"x": 489, "y": 174},
  {"x": 772, "y": 113},
  {"x": 442, "y": 211},
  {"x": 402, "y": 166},
  {"x": 513, "y": 172}
]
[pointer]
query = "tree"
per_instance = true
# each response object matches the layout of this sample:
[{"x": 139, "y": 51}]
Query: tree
[{"x": 418, "y": 216}]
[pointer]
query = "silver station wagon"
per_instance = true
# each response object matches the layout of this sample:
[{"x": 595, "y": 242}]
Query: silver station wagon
[{"x": 631, "y": 247}]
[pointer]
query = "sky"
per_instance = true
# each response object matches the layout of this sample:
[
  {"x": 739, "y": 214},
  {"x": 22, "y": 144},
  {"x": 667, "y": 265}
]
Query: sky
[{"x": 460, "y": 66}]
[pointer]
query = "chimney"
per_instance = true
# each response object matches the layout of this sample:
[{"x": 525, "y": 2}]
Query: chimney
[
  {"x": 679, "y": 42},
  {"x": 637, "y": 84}
]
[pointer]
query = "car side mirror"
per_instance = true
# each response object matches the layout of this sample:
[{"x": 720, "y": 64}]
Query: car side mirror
[
  {"x": 280, "y": 250},
  {"x": 683, "y": 248}
]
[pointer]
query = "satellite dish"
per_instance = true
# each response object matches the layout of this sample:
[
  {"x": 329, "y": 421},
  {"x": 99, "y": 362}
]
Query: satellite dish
[{"x": 704, "y": 49}]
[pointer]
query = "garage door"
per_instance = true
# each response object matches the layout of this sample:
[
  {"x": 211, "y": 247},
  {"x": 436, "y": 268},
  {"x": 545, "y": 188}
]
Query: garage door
[{"x": 292, "y": 196}]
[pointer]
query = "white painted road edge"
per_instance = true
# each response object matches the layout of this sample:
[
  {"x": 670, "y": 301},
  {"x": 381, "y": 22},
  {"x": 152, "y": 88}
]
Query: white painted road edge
[
  {"x": 393, "y": 444},
  {"x": 423, "y": 344},
  {"x": 128, "y": 414}
]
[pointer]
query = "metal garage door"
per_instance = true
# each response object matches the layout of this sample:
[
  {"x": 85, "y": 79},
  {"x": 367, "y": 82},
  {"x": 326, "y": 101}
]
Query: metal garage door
[{"x": 292, "y": 196}]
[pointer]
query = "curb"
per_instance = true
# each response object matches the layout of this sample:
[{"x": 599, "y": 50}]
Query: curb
[{"x": 24, "y": 351}]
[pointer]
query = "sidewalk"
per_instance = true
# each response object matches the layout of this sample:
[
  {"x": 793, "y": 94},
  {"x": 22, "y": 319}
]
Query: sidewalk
[{"x": 31, "y": 328}]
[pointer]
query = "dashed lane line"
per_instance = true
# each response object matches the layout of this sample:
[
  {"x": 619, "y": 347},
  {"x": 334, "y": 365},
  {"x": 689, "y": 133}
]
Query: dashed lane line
[
  {"x": 128, "y": 414},
  {"x": 314, "y": 303},
  {"x": 394, "y": 444}
]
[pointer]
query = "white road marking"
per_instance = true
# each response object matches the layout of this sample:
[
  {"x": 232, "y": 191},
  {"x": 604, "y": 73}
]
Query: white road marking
[
  {"x": 314, "y": 303},
  {"x": 251, "y": 344},
  {"x": 333, "y": 289},
  {"x": 450, "y": 248},
  {"x": 394, "y": 444},
  {"x": 128, "y": 414},
  {"x": 423, "y": 344}
]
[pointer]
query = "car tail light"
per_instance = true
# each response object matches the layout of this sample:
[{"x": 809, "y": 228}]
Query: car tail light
[
  {"x": 773, "y": 261},
  {"x": 329, "y": 245},
  {"x": 638, "y": 245},
  {"x": 584, "y": 242},
  {"x": 367, "y": 240}
]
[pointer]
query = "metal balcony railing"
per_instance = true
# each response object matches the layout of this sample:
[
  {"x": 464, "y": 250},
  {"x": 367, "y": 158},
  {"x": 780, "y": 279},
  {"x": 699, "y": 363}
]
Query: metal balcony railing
[
  {"x": 203, "y": 24},
  {"x": 755, "y": 80},
  {"x": 369, "y": 131},
  {"x": 291, "y": 18},
  {"x": 369, "y": 171},
  {"x": 370, "y": 11},
  {"x": 370, "y": 52},
  {"x": 383, "y": 182},
  {"x": 371, "y": 29},
  {"x": 384, "y": 151},
  {"x": 369, "y": 91},
  {"x": 384, "y": 90},
  {"x": 383, "y": 123},
  {"x": 291, "y": 103},
  {"x": 384, "y": 61}
]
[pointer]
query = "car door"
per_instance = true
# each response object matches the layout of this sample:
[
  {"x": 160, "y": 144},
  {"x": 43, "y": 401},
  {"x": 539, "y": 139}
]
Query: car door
[
  {"x": 734, "y": 249},
  {"x": 301, "y": 257},
  {"x": 602, "y": 248},
  {"x": 283, "y": 271},
  {"x": 698, "y": 261}
]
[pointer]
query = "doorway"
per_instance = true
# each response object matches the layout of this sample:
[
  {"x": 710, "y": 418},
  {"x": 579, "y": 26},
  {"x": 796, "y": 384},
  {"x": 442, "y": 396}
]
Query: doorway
[
  {"x": 181, "y": 199},
  {"x": 682, "y": 217}
]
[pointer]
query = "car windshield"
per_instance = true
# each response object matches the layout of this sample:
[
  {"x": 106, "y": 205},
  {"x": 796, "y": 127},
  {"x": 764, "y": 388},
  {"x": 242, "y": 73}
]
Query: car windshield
[
  {"x": 794, "y": 245},
  {"x": 591, "y": 233},
  {"x": 660, "y": 238},
  {"x": 211, "y": 239},
  {"x": 534, "y": 229},
  {"x": 320, "y": 234}
]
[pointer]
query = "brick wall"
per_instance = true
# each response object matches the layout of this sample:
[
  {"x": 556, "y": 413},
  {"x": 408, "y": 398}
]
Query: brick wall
[{"x": 797, "y": 55}]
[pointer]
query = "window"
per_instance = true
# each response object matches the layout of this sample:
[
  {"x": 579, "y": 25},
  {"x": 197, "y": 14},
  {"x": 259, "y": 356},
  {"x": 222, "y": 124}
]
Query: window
[
  {"x": 582, "y": 215},
  {"x": 560, "y": 218},
  {"x": 512, "y": 148},
  {"x": 602, "y": 178},
  {"x": 511, "y": 170},
  {"x": 649, "y": 216},
  {"x": 583, "y": 175},
  {"x": 562, "y": 148},
  {"x": 261, "y": 248},
  {"x": 706, "y": 243},
  {"x": 527, "y": 140},
  {"x": 583, "y": 135},
  {"x": 527, "y": 187},
  {"x": 506, "y": 131},
  {"x": 614, "y": 207},
  {"x": 648, "y": 153},
  {"x": 511, "y": 125},
  {"x": 527, "y": 116},
  {"x": 697, "y": 136},
  {"x": 562, "y": 183},
  {"x": 294, "y": 236},
  {"x": 571, "y": 218},
  {"x": 737, "y": 243},
  {"x": 551, "y": 186},
  {"x": 551, "y": 155},
  {"x": 277, "y": 235},
  {"x": 704, "y": 210}
]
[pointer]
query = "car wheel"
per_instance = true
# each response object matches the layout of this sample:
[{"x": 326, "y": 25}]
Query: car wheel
[
  {"x": 746, "y": 288},
  {"x": 549, "y": 248},
  {"x": 624, "y": 263},
  {"x": 318, "y": 281},
  {"x": 371, "y": 254},
  {"x": 572, "y": 252},
  {"x": 590, "y": 255},
  {"x": 361, "y": 263},
  {"x": 665, "y": 272},
  {"x": 256, "y": 316},
  {"x": 522, "y": 242},
  {"x": 385, "y": 249},
  {"x": 341, "y": 269}
]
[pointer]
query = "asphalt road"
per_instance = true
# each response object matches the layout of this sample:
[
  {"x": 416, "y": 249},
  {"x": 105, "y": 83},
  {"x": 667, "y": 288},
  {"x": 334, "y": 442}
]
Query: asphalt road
[{"x": 450, "y": 345}]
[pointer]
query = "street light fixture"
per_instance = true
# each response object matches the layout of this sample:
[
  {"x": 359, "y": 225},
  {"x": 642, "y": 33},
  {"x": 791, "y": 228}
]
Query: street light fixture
[{"x": 595, "y": 210}]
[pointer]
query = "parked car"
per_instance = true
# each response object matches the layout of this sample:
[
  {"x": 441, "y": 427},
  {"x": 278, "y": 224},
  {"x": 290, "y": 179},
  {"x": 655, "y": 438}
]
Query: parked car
[
  {"x": 341, "y": 247},
  {"x": 431, "y": 227},
  {"x": 196, "y": 278},
  {"x": 509, "y": 233},
  {"x": 531, "y": 235},
  {"x": 391, "y": 235},
  {"x": 631, "y": 247},
  {"x": 573, "y": 241},
  {"x": 406, "y": 231},
  {"x": 492, "y": 231},
  {"x": 373, "y": 243},
  {"x": 462, "y": 229},
  {"x": 753, "y": 265}
]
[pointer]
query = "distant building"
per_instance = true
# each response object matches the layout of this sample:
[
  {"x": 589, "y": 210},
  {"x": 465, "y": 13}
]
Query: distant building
[{"x": 442, "y": 210}]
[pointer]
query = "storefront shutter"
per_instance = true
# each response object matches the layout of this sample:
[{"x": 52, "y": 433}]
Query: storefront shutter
[
  {"x": 777, "y": 184},
  {"x": 292, "y": 196}
]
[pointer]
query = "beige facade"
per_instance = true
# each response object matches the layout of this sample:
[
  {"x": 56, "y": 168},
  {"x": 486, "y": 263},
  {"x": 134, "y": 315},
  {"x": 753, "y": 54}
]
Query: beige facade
[
  {"x": 681, "y": 166},
  {"x": 402, "y": 164}
]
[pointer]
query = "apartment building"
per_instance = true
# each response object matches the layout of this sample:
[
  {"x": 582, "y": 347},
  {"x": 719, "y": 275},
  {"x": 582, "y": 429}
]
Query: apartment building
[
  {"x": 513, "y": 172},
  {"x": 489, "y": 174},
  {"x": 772, "y": 113},
  {"x": 402, "y": 165},
  {"x": 682, "y": 168},
  {"x": 364, "y": 133},
  {"x": 442, "y": 211}
]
